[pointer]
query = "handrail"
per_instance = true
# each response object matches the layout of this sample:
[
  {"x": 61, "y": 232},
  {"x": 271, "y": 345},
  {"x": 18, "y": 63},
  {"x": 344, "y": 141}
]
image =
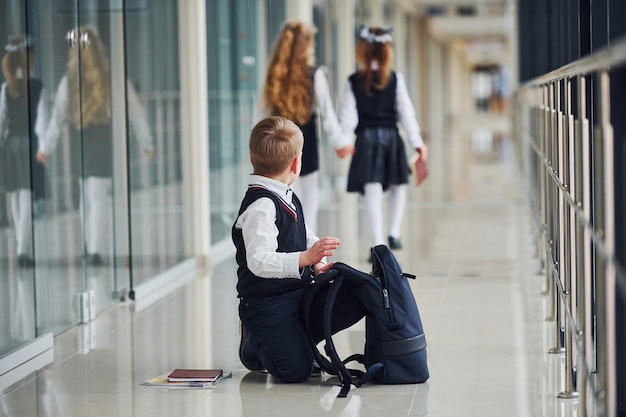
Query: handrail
[
  {"x": 610, "y": 56},
  {"x": 575, "y": 201},
  {"x": 596, "y": 236}
]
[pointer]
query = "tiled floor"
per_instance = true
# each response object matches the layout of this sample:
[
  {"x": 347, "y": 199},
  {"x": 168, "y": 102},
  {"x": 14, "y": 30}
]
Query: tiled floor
[{"x": 478, "y": 292}]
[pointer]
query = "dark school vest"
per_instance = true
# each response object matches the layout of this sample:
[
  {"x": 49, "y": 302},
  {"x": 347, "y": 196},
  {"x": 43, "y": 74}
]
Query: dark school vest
[
  {"x": 376, "y": 108},
  {"x": 22, "y": 115},
  {"x": 22, "y": 111},
  {"x": 93, "y": 150},
  {"x": 310, "y": 152},
  {"x": 291, "y": 238}
]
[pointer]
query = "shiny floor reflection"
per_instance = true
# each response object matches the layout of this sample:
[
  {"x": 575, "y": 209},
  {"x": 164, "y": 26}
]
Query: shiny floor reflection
[{"x": 478, "y": 292}]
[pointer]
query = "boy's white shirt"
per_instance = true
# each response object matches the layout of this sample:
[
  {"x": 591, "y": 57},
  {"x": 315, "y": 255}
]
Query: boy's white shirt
[{"x": 260, "y": 234}]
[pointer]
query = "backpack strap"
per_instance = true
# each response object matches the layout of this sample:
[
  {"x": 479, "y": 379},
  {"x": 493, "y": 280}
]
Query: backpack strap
[
  {"x": 364, "y": 377},
  {"x": 321, "y": 281},
  {"x": 334, "y": 280},
  {"x": 345, "y": 377}
]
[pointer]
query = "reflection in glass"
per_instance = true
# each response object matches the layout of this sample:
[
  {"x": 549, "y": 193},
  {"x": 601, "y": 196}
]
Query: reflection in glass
[
  {"x": 22, "y": 122},
  {"x": 156, "y": 192},
  {"x": 100, "y": 186},
  {"x": 259, "y": 392},
  {"x": 232, "y": 80},
  {"x": 83, "y": 100},
  {"x": 22, "y": 118},
  {"x": 22, "y": 308}
]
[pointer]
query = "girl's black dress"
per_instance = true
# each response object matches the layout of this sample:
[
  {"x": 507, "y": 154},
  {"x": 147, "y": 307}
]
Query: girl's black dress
[{"x": 380, "y": 154}]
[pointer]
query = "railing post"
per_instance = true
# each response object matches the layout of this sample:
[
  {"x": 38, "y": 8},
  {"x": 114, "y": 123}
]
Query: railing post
[
  {"x": 568, "y": 255},
  {"x": 581, "y": 261},
  {"x": 605, "y": 270},
  {"x": 554, "y": 208},
  {"x": 541, "y": 112}
]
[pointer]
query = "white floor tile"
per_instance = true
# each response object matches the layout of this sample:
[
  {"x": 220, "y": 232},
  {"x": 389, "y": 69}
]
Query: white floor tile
[{"x": 478, "y": 293}]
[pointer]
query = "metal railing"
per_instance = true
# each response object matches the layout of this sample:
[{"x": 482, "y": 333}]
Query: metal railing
[{"x": 563, "y": 123}]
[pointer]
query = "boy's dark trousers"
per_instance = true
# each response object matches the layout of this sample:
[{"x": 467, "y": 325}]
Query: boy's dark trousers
[{"x": 273, "y": 336}]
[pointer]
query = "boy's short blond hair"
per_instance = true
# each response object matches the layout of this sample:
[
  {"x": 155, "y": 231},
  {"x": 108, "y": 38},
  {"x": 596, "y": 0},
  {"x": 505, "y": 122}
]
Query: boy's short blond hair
[{"x": 274, "y": 142}]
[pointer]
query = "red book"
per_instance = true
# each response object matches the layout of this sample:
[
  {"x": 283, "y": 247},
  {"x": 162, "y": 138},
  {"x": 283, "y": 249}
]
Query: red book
[
  {"x": 194, "y": 375},
  {"x": 419, "y": 169}
]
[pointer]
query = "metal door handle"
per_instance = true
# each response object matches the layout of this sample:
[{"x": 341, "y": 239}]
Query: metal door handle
[
  {"x": 84, "y": 40},
  {"x": 71, "y": 38}
]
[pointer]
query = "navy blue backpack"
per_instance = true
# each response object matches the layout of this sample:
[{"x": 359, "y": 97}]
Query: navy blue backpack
[{"x": 395, "y": 344}]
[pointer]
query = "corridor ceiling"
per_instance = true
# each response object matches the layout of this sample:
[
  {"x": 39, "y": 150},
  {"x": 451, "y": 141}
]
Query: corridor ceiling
[{"x": 486, "y": 27}]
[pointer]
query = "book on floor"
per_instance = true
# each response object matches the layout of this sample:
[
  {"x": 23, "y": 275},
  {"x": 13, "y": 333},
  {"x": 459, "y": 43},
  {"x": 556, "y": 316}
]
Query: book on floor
[
  {"x": 164, "y": 381},
  {"x": 195, "y": 375}
]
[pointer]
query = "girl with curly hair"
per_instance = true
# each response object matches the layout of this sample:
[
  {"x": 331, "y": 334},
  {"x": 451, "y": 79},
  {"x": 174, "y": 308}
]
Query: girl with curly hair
[
  {"x": 375, "y": 100},
  {"x": 22, "y": 123},
  {"x": 297, "y": 90},
  {"x": 83, "y": 100}
]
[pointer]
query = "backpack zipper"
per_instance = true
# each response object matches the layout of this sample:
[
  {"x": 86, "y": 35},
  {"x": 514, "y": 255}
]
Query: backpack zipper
[{"x": 387, "y": 304}]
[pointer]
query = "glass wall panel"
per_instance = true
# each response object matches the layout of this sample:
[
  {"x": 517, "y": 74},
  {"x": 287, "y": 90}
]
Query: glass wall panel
[
  {"x": 78, "y": 254},
  {"x": 21, "y": 186},
  {"x": 232, "y": 45},
  {"x": 154, "y": 146},
  {"x": 326, "y": 56},
  {"x": 90, "y": 152},
  {"x": 274, "y": 20}
]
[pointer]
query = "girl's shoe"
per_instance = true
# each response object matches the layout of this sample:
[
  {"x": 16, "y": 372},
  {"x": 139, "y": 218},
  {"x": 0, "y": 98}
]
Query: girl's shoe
[{"x": 394, "y": 243}]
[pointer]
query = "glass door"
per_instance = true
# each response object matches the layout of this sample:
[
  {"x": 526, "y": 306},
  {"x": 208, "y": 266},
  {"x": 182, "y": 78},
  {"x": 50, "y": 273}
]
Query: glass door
[
  {"x": 232, "y": 28},
  {"x": 21, "y": 94},
  {"x": 93, "y": 138},
  {"x": 155, "y": 158},
  {"x": 79, "y": 245}
]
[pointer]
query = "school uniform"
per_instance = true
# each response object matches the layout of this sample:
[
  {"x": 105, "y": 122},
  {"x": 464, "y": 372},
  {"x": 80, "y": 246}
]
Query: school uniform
[
  {"x": 22, "y": 122},
  {"x": 22, "y": 127},
  {"x": 380, "y": 162},
  {"x": 380, "y": 155},
  {"x": 92, "y": 161},
  {"x": 269, "y": 235}
]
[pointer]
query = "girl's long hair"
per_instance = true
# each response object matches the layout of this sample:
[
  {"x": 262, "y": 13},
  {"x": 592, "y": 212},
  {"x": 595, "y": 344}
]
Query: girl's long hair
[
  {"x": 16, "y": 65},
  {"x": 374, "y": 58},
  {"x": 89, "y": 84},
  {"x": 288, "y": 90}
]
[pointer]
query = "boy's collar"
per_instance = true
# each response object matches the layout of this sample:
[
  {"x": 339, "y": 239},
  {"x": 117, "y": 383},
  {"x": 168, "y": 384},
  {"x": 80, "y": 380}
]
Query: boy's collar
[{"x": 273, "y": 185}]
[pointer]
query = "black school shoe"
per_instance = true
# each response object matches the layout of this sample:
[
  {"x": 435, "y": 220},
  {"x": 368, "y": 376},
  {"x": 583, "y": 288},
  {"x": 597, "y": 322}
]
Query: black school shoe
[
  {"x": 394, "y": 243},
  {"x": 248, "y": 358},
  {"x": 316, "y": 370}
]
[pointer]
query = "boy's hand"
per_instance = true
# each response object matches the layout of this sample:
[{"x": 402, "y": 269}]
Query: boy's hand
[
  {"x": 320, "y": 268},
  {"x": 323, "y": 247}
]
